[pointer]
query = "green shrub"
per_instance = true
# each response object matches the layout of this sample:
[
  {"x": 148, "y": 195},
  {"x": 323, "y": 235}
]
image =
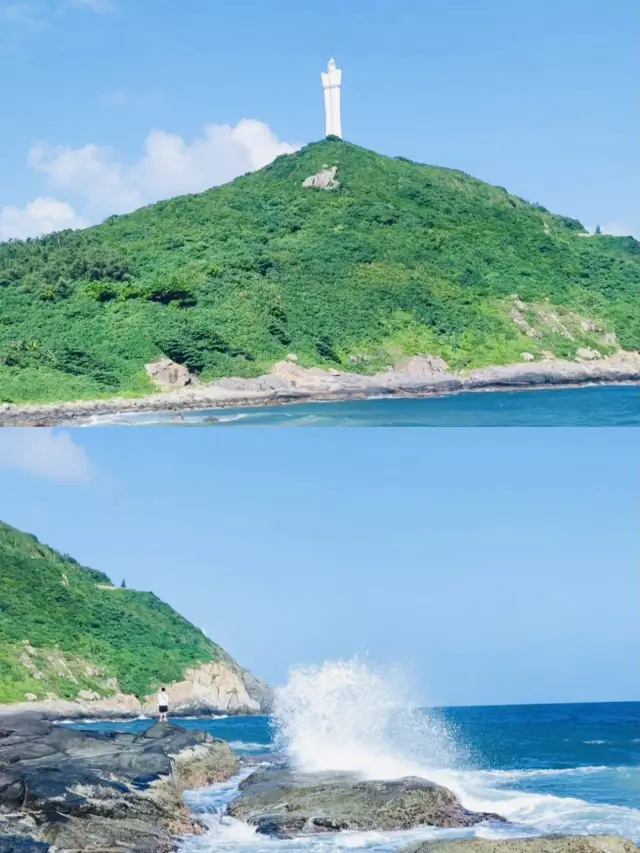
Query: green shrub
[
  {"x": 56, "y": 604},
  {"x": 229, "y": 281}
]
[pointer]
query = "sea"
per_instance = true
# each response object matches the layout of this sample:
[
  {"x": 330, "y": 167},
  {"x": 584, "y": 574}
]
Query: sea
[
  {"x": 596, "y": 406},
  {"x": 569, "y": 768}
]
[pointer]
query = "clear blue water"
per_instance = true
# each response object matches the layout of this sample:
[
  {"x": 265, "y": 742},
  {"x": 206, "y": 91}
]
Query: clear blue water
[
  {"x": 548, "y": 768},
  {"x": 602, "y": 406}
]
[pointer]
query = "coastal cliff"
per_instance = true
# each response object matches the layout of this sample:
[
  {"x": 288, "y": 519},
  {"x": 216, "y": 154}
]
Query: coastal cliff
[{"x": 74, "y": 645}]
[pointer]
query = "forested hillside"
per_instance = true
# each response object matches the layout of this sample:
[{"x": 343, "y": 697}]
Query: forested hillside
[
  {"x": 65, "y": 628},
  {"x": 398, "y": 258}
]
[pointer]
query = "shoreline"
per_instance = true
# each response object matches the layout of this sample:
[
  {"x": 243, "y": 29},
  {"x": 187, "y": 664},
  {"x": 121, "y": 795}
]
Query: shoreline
[
  {"x": 73, "y": 712},
  {"x": 288, "y": 383}
]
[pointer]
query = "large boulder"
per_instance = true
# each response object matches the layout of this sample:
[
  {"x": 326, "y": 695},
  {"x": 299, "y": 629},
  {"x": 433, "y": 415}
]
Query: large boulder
[
  {"x": 77, "y": 790},
  {"x": 540, "y": 844},
  {"x": 282, "y": 803},
  {"x": 167, "y": 374}
]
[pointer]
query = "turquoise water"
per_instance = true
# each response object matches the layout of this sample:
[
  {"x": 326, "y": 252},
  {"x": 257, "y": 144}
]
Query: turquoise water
[
  {"x": 597, "y": 406},
  {"x": 547, "y": 768}
]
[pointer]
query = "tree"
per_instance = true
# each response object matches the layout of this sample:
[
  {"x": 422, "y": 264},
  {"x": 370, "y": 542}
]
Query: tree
[
  {"x": 598, "y": 229},
  {"x": 123, "y": 585}
]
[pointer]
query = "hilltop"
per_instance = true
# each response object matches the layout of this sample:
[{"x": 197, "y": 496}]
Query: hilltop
[
  {"x": 67, "y": 633},
  {"x": 394, "y": 259}
]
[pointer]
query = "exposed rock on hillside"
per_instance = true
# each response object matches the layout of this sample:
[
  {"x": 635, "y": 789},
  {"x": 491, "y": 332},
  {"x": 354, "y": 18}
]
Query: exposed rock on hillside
[
  {"x": 167, "y": 374},
  {"x": 325, "y": 179}
]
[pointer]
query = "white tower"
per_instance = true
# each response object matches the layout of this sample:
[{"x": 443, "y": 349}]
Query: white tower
[{"x": 331, "y": 82}]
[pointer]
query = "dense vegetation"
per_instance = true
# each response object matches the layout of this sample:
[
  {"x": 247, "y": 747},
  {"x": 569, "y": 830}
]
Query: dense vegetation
[
  {"x": 400, "y": 258},
  {"x": 64, "y": 628}
]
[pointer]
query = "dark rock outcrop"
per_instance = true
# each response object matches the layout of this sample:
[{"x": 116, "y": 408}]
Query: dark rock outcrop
[
  {"x": 281, "y": 803},
  {"x": 259, "y": 691},
  {"x": 540, "y": 844},
  {"x": 84, "y": 790}
]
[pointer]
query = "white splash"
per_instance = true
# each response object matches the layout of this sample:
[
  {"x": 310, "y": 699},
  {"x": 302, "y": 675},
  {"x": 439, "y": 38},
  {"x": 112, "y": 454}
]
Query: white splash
[
  {"x": 345, "y": 715},
  {"x": 348, "y": 716}
]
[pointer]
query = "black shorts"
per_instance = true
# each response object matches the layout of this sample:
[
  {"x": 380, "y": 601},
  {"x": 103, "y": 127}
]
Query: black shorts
[{"x": 162, "y": 709}]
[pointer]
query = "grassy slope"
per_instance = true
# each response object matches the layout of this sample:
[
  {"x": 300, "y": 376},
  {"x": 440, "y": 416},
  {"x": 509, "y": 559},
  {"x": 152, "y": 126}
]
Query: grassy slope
[
  {"x": 77, "y": 630},
  {"x": 402, "y": 258}
]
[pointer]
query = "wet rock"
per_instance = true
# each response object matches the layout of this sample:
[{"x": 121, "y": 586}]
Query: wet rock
[
  {"x": 541, "y": 844},
  {"x": 85, "y": 790},
  {"x": 279, "y": 802}
]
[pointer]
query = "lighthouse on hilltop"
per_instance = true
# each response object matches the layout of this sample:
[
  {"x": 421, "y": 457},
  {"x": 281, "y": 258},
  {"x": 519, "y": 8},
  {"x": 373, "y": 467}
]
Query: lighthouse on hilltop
[{"x": 331, "y": 82}]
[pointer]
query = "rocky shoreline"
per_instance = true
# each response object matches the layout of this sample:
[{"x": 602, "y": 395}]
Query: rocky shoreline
[
  {"x": 288, "y": 382},
  {"x": 66, "y": 791},
  {"x": 283, "y": 804}
]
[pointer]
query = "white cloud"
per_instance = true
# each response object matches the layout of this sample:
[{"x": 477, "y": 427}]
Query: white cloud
[
  {"x": 44, "y": 453},
  {"x": 41, "y": 216},
  {"x": 170, "y": 165}
]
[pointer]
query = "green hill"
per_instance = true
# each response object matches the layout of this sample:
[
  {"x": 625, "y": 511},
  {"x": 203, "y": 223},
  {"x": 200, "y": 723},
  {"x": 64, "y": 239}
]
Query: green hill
[
  {"x": 400, "y": 258},
  {"x": 65, "y": 628}
]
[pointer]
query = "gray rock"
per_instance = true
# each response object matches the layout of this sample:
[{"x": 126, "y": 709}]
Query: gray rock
[
  {"x": 168, "y": 374},
  {"x": 590, "y": 326},
  {"x": 85, "y": 790},
  {"x": 540, "y": 844},
  {"x": 279, "y": 802},
  {"x": 259, "y": 691},
  {"x": 587, "y": 353},
  {"x": 325, "y": 179}
]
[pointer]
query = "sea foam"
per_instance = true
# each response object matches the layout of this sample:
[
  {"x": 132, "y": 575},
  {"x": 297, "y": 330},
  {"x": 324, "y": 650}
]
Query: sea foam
[{"x": 351, "y": 716}]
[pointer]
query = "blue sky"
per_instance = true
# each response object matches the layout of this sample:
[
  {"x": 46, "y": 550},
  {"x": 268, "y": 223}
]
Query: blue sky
[
  {"x": 109, "y": 104},
  {"x": 495, "y": 565}
]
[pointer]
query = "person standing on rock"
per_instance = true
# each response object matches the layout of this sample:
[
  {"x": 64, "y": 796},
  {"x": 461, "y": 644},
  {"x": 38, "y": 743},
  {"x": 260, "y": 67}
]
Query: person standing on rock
[{"x": 163, "y": 704}]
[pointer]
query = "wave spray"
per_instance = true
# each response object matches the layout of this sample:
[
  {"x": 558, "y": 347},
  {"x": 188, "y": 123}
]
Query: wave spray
[{"x": 348, "y": 716}]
